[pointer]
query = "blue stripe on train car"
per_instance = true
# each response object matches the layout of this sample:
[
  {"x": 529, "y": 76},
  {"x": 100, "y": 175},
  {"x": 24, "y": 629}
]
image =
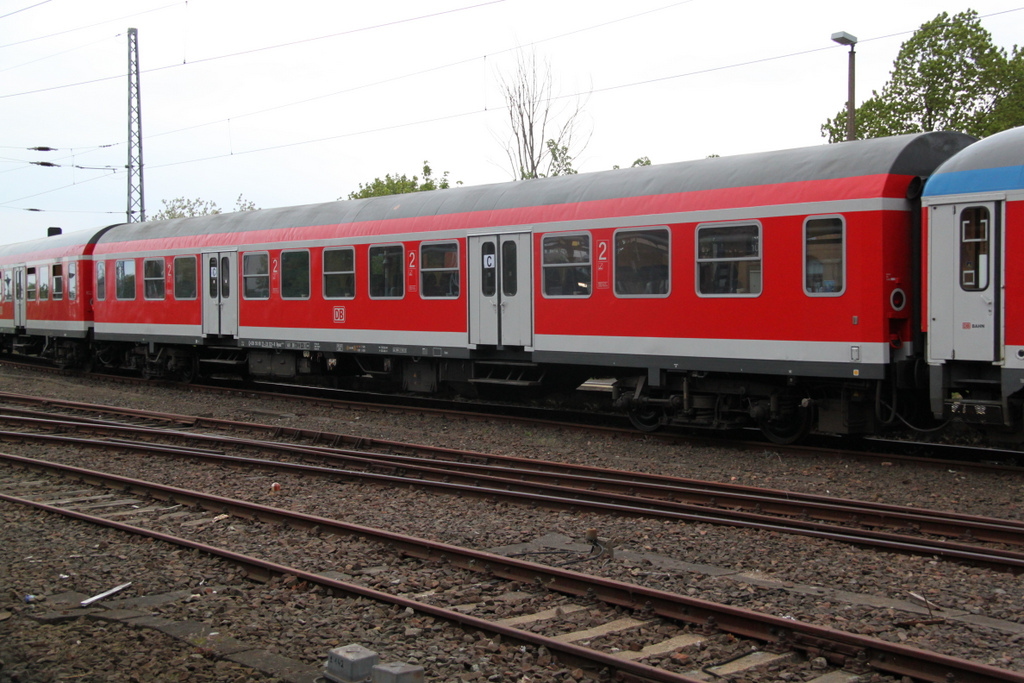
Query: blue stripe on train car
[{"x": 977, "y": 180}]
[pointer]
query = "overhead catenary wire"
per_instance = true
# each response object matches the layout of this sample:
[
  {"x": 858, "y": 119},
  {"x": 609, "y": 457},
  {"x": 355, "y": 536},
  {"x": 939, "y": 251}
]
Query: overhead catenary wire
[
  {"x": 484, "y": 109},
  {"x": 4, "y": 16},
  {"x": 99, "y": 23},
  {"x": 256, "y": 49}
]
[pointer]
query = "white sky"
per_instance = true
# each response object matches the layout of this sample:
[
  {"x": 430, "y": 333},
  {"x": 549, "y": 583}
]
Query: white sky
[{"x": 360, "y": 89}]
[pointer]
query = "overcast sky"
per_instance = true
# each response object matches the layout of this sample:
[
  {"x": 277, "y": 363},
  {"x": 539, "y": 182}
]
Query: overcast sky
[{"x": 298, "y": 102}]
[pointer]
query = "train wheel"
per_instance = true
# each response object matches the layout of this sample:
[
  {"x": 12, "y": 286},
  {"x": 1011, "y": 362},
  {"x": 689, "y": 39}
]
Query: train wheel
[
  {"x": 186, "y": 369},
  {"x": 792, "y": 428},
  {"x": 646, "y": 418}
]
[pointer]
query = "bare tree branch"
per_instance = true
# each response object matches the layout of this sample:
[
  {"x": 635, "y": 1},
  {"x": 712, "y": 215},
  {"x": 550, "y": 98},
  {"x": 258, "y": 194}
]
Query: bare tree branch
[{"x": 533, "y": 149}]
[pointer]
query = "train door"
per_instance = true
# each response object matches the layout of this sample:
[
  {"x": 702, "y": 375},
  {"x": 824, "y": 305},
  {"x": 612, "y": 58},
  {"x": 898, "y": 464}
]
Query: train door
[
  {"x": 501, "y": 290},
  {"x": 19, "y": 296},
  {"x": 964, "y": 310},
  {"x": 220, "y": 293}
]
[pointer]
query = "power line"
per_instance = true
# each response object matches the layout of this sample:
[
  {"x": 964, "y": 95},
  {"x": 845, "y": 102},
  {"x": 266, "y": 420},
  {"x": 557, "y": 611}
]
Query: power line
[
  {"x": 4, "y": 16},
  {"x": 408, "y": 75},
  {"x": 56, "y": 189},
  {"x": 99, "y": 23},
  {"x": 475, "y": 111},
  {"x": 258, "y": 49},
  {"x": 57, "y": 54}
]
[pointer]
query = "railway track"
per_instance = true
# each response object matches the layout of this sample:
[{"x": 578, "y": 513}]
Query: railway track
[
  {"x": 656, "y": 622},
  {"x": 558, "y": 485},
  {"x": 939, "y": 454}
]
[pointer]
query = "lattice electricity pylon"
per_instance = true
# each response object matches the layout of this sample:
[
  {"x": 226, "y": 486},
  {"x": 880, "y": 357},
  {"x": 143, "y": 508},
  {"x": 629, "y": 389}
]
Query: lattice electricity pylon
[{"x": 136, "y": 193}]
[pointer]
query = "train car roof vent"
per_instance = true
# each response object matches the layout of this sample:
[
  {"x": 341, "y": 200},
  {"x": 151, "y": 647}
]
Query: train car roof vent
[{"x": 53, "y": 232}]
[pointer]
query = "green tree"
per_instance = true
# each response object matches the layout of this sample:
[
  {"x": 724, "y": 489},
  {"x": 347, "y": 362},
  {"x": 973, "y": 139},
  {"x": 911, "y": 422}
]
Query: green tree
[
  {"x": 179, "y": 207},
  {"x": 640, "y": 161},
  {"x": 561, "y": 162},
  {"x": 402, "y": 184},
  {"x": 947, "y": 76}
]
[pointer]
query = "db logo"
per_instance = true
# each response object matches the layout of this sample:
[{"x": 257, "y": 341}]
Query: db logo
[
  {"x": 339, "y": 314},
  {"x": 966, "y": 326}
]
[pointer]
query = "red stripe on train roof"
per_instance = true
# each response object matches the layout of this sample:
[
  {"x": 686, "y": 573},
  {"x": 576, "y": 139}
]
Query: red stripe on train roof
[{"x": 842, "y": 189}]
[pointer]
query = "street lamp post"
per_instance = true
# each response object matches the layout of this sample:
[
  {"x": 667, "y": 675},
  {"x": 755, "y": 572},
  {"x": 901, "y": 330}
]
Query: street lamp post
[{"x": 844, "y": 38}]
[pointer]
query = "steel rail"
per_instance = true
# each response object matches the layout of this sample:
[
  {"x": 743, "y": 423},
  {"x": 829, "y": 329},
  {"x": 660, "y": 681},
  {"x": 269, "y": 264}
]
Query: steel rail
[
  {"x": 637, "y": 485},
  {"x": 573, "y": 498},
  {"x": 262, "y": 570},
  {"x": 840, "y": 646}
]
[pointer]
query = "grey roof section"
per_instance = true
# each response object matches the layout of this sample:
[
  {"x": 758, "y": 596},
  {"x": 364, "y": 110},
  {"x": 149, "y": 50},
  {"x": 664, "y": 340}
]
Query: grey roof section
[
  {"x": 80, "y": 238},
  {"x": 911, "y": 155},
  {"x": 996, "y": 151}
]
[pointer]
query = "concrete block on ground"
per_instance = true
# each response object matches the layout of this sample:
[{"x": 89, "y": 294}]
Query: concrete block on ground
[
  {"x": 350, "y": 664},
  {"x": 398, "y": 672}
]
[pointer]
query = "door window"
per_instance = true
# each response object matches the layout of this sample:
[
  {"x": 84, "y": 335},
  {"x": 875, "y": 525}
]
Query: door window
[
  {"x": 225, "y": 277},
  {"x": 509, "y": 281},
  {"x": 489, "y": 281},
  {"x": 975, "y": 227}
]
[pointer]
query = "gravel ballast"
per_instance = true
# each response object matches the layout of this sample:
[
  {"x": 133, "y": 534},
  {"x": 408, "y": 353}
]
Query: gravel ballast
[{"x": 813, "y": 580}]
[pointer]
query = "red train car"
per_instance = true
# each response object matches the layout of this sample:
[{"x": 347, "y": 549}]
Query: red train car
[
  {"x": 45, "y": 291},
  {"x": 773, "y": 288}
]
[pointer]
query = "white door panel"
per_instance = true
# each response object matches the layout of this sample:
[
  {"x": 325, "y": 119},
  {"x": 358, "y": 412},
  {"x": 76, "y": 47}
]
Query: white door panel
[{"x": 965, "y": 282}]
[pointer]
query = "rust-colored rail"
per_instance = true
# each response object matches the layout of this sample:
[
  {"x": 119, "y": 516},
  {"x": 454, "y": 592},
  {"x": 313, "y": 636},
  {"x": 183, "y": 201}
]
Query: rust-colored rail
[
  {"x": 613, "y": 491},
  {"x": 837, "y": 646}
]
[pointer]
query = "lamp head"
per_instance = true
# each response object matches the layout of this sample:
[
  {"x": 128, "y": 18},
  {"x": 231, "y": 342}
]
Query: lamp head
[{"x": 844, "y": 38}]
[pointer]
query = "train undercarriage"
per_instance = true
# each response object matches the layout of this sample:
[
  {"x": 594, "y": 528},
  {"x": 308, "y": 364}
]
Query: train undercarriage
[{"x": 785, "y": 409}]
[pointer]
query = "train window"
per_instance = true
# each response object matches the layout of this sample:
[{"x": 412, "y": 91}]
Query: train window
[
  {"x": 295, "y": 274},
  {"x": 824, "y": 256},
  {"x": 567, "y": 269},
  {"x": 488, "y": 283},
  {"x": 340, "y": 273},
  {"x": 153, "y": 286},
  {"x": 124, "y": 280},
  {"x": 225, "y": 277},
  {"x": 974, "y": 248},
  {"x": 30, "y": 284},
  {"x": 101, "y": 280},
  {"x": 185, "y": 277},
  {"x": 5, "y": 278},
  {"x": 509, "y": 269},
  {"x": 44, "y": 283},
  {"x": 439, "y": 270},
  {"x": 642, "y": 262},
  {"x": 729, "y": 260},
  {"x": 386, "y": 272},
  {"x": 256, "y": 275},
  {"x": 58, "y": 282},
  {"x": 72, "y": 284}
]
